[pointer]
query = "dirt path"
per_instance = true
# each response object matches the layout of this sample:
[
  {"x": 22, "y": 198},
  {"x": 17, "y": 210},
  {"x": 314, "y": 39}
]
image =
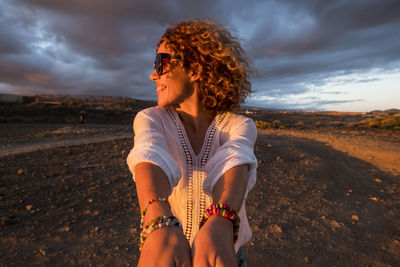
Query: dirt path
[{"x": 51, "y": 144}]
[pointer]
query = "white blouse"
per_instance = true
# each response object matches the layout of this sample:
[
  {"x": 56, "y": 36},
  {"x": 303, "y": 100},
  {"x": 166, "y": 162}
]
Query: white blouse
[{"x": 160, "y": 138}]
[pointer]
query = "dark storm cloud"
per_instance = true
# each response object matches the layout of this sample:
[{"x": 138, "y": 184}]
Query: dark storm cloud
[
  {"x": 107, "y": 47},
  {"x": 115, "y": 28}
]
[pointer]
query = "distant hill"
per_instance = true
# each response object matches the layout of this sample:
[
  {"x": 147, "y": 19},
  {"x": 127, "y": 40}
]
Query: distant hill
[
  {"x": 68, "y": 108},
  {"x": 122, "y": 110},
  {"x": 9, "y": 98},
  {"x": 385, "y": 112}
]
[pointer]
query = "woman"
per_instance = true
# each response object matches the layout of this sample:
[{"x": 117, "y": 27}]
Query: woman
[{"x": 192, "y": 151}]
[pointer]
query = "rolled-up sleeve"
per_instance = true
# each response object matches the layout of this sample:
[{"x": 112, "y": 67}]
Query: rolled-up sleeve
[
  {"x": 237, "y": 150},
  {"x": 150, "y": 145}
]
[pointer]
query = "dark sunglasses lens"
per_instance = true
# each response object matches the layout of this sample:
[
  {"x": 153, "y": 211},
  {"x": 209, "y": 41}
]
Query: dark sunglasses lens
[
  {"x": 161, "y": 59},
  {"x": 158, "y": 65}
]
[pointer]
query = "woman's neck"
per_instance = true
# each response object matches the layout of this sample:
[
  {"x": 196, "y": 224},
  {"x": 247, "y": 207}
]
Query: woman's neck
[{"x": 195, "y": 116}]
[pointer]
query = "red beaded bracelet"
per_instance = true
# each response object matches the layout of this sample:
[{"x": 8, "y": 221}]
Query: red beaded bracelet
[{"x": 224, "y": 211}]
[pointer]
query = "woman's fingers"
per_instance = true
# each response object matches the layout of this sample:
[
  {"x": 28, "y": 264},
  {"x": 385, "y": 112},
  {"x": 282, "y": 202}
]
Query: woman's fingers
[{"x": 185, "y": 262}]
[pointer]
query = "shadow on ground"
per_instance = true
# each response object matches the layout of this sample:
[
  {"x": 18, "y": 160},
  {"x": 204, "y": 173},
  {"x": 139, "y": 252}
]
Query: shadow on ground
[{"x": 315, "y": 205}]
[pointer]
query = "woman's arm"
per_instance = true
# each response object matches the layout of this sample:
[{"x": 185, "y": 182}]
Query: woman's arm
[
  {"x": 166, "y": 246},
  {"x": 213, "y": 245},
  {"x": 231, "y": 187},
  {"x": 156, "y": 173},
  {"x": 231, "y": 173},
  {"x": 151, "y": 182}
]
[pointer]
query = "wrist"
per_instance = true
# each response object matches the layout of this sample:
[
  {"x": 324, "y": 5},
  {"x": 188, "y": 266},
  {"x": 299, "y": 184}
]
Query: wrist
[
  {"x": 225, "y": 212},
  {"x": 156, "y": 224},
  {"x": 156, "y": 209},
  {"x": 220, "y": 224}
]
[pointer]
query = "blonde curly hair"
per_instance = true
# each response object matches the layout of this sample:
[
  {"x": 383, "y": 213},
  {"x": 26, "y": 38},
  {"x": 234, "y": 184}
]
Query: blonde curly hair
[{"x": 224, "y": 82}]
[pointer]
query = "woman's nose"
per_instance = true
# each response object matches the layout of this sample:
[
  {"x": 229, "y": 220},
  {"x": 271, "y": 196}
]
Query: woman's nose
[{"x": 154, "y": 76}]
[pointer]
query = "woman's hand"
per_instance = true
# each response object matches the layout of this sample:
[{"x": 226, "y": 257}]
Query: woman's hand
[
  {"x": 213, "y": 244},
  {"x": 166, "y": 246}
]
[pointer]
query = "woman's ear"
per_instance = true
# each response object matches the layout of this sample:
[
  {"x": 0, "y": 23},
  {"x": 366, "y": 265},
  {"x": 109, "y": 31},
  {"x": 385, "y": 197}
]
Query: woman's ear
[{"x": 195, "y": 72}]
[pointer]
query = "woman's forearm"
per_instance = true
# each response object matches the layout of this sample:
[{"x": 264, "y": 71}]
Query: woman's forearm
[
  {"x": 231, "y": 187},
  {"x": 151, "y": 182}
]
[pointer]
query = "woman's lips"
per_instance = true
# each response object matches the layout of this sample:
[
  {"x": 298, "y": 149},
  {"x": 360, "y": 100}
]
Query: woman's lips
[{"x": 160, "y": 88}]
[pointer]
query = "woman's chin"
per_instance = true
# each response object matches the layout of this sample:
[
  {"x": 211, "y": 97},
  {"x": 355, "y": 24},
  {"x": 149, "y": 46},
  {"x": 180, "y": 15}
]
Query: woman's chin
[{"x": 161, "y": 104}]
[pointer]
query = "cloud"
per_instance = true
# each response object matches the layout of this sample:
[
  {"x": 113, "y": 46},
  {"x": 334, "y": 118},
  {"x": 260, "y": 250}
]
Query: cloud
[
  {"x": 324, "y": 39},
  {"x": 107, "y": 47}
]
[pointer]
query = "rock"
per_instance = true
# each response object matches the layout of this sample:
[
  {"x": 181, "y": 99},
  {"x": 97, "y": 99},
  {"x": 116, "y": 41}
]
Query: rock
[
  {"x": 334, "y": 224},
  {"x": 355, "y": 217},
  {"x": 64, "y": 229},
  {"x": 20, "y": 171},
  {"x": 43, "y": 252},
  {"x": 373, "y": 198},
  {"x": 378, "y": 180},
  {"x": 275, "y": 229},
  {"x": 28, "y": 207}
]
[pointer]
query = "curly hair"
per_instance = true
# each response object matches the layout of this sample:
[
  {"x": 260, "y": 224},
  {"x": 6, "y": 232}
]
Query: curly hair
[{"x": 224, "y": 82}]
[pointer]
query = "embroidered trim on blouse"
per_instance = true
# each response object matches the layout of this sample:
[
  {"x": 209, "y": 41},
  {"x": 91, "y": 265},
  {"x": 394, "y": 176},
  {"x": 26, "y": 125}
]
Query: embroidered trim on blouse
[
  {"x": 189, "y": 173},
  {"x": 204, "y": 160},
  {"x": 189, "y": 163}
]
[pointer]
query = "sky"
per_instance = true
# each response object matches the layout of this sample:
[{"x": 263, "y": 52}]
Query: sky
[{"x": 308, "y": 55}]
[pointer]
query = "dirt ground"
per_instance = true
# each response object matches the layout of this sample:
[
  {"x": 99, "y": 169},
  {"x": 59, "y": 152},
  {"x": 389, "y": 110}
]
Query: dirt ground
[{"x": 322, "y": 198}]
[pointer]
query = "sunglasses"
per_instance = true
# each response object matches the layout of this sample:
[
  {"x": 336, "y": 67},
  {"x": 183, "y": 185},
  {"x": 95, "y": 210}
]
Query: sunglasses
[{"x": 161, "y": 60}]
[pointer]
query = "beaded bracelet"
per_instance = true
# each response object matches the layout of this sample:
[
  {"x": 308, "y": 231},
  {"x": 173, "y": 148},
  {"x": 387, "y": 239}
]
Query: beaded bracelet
[
  {"x": 158, "y": 220},
  {"x": 157, "y": 223},
  {"x": 147, "y": 205},
  {"x": 224, "y": 211}
]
